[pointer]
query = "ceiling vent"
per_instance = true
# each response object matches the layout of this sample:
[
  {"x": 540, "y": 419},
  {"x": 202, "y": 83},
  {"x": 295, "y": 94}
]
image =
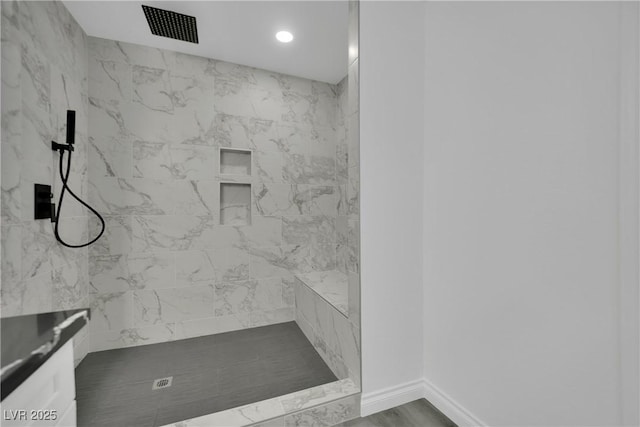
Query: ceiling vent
[{"x": 166, "y": 23}]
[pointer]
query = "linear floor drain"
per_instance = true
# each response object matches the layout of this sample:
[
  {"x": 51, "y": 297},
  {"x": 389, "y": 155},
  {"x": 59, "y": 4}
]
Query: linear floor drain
[{"x": 162, "y": 383}]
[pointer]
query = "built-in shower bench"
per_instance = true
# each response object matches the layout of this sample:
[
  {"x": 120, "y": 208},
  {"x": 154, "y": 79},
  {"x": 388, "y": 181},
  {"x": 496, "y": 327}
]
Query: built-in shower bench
[{"x": 331, "y": 285}]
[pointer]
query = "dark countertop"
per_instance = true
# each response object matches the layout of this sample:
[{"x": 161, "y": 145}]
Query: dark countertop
[{"x": 29, "y": 341}]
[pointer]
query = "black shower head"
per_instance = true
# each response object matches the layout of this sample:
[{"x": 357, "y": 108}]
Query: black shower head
[
  {"x": 170, "y": 24},
  {"x": 71, "y": 127}
]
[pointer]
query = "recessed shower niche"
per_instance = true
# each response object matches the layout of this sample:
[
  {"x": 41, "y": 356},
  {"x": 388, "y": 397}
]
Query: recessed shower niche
[
  {"x": 235, "y": 162},
  {"x": 235, "y": 203},
  {"x": 235, "y": 197}
]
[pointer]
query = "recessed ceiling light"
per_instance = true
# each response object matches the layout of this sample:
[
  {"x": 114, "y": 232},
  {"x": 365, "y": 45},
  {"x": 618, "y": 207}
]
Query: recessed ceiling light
[{"x": 284, "y": 36}]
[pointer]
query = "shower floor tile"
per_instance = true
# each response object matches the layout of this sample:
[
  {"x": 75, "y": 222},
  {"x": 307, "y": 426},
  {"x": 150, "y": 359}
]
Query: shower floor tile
[{"x": 210, "y": 374}]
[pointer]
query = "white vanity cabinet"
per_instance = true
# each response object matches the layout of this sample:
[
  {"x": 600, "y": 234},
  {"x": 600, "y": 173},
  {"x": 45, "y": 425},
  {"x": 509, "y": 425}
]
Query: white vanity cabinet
[{"x": 47, "y": 397}]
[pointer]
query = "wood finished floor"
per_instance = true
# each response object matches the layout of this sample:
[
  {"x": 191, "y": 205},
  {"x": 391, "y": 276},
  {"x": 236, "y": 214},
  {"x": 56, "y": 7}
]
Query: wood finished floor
[
  {"x": 210, "y": 374},
  {"x": 418, "y": 413}
]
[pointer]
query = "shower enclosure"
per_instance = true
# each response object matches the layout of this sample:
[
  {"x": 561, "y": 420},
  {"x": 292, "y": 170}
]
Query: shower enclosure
[{"x": 225, "y": 289}]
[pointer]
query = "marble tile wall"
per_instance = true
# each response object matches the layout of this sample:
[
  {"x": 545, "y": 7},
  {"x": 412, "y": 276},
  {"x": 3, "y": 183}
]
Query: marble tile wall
[
  {"x": 166, "y": 268},
  {"x": 323, "y": 405},
  {"x": 44, "y": 72},
  {"x": 335, "y": 337}
]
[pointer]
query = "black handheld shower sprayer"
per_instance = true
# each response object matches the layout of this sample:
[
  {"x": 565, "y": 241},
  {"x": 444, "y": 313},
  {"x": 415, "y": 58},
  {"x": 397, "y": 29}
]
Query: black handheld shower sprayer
[{"x": 64, "y": 177}]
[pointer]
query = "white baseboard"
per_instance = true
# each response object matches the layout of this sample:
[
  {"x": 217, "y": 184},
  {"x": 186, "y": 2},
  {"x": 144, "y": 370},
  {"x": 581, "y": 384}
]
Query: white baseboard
[
  {"x": 452, "y": 409},
  {"x": 391, "y": 397}
]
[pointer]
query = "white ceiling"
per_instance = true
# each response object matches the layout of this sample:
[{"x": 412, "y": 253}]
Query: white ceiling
[{"x": 242, "y": 32}]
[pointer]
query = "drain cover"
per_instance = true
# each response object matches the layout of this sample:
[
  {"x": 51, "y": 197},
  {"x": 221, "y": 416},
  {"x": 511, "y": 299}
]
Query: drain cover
[{"x": 162, "y": 383}]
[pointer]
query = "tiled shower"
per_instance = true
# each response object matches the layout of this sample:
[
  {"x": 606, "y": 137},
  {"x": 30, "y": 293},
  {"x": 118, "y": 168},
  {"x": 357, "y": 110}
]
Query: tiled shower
[{"x": 230, "y": 195}]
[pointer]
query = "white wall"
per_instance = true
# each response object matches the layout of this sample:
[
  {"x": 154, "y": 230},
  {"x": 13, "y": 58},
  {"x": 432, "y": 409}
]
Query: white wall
[
  {"x": 521, "y": 213},
  {"x": 391, "y": 135}
]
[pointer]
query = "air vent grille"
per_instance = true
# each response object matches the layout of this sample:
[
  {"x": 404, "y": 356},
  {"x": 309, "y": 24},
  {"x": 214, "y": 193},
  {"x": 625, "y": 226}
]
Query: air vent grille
[{"x": 166, "y": 23}]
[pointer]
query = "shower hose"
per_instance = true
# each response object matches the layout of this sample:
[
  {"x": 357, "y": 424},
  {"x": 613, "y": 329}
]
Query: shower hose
[{"x": 64, "y": 177}]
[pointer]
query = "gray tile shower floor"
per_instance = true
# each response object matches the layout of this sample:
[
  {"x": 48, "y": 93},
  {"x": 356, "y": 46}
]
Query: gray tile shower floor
[{"x": 210, "y": 374}]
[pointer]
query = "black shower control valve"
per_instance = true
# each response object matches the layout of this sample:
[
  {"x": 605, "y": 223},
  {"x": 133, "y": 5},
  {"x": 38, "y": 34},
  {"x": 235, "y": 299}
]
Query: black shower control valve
[
  {"x": 61, "y": 147},
  {"x": 43, "y": 208}
]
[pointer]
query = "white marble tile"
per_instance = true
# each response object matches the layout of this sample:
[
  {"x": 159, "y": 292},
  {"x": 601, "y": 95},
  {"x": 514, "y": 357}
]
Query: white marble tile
[
  {"x": 152, "y": 160},
  {"x": 274, "y": 261},
  {"x": 315, "y": 200},
  {"x": 141, "y": 196},
  {"x": 353, "y": 260},
  {"x": 354, "y": 299},
  {"x": 36, "y": 166},
  {"x": 193, "y": 162},
  {"x": 151, "y": 87},
  {"x": 248, "y": 296},
  {"x": 194, "y": 267},
  {"x": 304, "y": 228},
  {"x": 331, "y": 333},
  {"x": 37, "y": 240},
  {"x": 353, "y": 191},
  {"x": 11, "y": 285},
  {"x": 166, "y": 232},
  {"x": 11, "y": 256},
  {"x": 288, "y": 290},
  {"x": 132, "y": 54},
  {"x": 211, "y": 325},
  {"x": 110, "y": 157},
  {"x": 109, "y": 80},
  {"x": 11, "y": 14},
  {"x": 111, "y": 311},
  {"x": 11, "y": 131},
  {"x": 117, "y": 237},
  {"x": 170, "y": 161},
  {"x": 285, "y": 199},
  {"x": 268, "y": 166},
  {"x": 199, "y": 197},
  {"x": 274, "y": 422},
  {"x": 70, "y": 284},
  {"x": 240, "y": 416},
  {"x": 342, "y": 162},
  {"x": 231, "y": 264},
  {"x": 315, "y": 105},
  {"x": 330, "y": 285},
  {"x": 263, "y": 231},
  {"x": 37, "y": 293},
  {"x": 110, "y": 118},
  {"x": 35, "y": 77},
  {"x": 318, "y": 395},
  {"x": 72, "y": 230},
  {"x": 273, "y": 199},
  {"x": 130, "y": 337},
  {"x": 326, "y": 415},
  {"x": 232, "y": 298},
  {"x": 342, "y": 242},
  {"x": 116, "y": 273},
  {"x": 238, "y": 98},
  {"x": 270, "y": 317},
  {"x": 162, "y": 306},
  {"x": 246, "y": 132},
  {"x": 317, "y": 234},
  {"x": 325, "y": 399}
]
